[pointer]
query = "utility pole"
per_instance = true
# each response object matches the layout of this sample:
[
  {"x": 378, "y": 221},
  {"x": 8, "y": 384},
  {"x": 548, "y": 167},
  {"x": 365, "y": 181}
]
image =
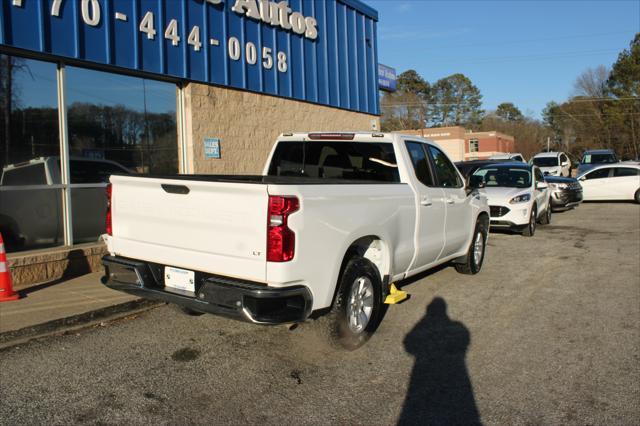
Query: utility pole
[{"x": 548, "y": 141}]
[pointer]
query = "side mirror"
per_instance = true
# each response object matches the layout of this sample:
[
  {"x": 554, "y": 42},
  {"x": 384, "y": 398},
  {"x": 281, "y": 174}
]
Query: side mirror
[
  {"x": 475, "y": 182},
  {"x": 565, "y": 163},
  {"x": 542, "y": 185},
  {"x": 583, "y": 178}
]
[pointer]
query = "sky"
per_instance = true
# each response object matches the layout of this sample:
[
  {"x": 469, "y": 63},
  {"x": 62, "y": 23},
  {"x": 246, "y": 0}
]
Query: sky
[{"x": 525, "y": 52}]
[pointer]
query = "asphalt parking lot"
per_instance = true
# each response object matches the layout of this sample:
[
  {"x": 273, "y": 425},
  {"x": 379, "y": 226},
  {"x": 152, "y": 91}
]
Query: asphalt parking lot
[{"x": 547, "y": 333}]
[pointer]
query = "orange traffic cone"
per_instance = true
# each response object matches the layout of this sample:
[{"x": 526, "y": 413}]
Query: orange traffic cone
[{"x": 6, "y": 287}]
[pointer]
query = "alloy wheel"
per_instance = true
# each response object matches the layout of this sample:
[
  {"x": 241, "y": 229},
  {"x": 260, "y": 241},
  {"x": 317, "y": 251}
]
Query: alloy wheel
[
  {"x": 360, "y": 304},
  {"x": 478, "y": 248}
]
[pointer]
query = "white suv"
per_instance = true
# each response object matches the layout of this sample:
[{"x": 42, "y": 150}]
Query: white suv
[
  {"x": 517, "y": 193},
  {"x": 515, "y": 156},
  {"x": 553, "y": 163}
]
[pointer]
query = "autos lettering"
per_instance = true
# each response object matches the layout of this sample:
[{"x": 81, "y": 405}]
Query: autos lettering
[{"x": 278, "y": 15}]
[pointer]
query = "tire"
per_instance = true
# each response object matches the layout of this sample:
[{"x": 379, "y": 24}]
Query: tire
[
  {"x": 637, "y": 196},
  {"x": 357, "y": 309},
  {"x": 546, "y": 218},
  {"x": 472, "y": 261},
  {"x": 530, "y": 229}
]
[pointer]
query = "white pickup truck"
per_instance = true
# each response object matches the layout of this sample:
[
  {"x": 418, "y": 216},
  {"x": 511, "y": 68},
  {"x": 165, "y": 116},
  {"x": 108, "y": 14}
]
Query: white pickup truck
[{"x": 334, "y": 220}]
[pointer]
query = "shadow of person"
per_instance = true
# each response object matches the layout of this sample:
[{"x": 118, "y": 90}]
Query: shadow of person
[{"x": 440, "y": 391}]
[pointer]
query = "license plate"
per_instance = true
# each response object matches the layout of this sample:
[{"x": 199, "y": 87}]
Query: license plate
[{"x": 179, "y": 279}]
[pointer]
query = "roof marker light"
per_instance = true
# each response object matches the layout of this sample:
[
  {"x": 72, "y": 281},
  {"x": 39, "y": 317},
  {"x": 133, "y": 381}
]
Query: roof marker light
[{"x": 332, "y": 136}]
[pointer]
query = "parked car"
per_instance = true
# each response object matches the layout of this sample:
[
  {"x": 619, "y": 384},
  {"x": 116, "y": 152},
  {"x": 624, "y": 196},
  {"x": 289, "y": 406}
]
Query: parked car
[
  {"x": 335, "y": 219},
  {"x": 468, "y": 167},
  {"x": 566, "y": 193},
  {"x": 32, "y": 217},
  {"x": 553, "y": 163},
  {"x": 594, "y": 157},
  {"x": 513, "y": 156},
  {"x": 518, "y": 195},
  {"x": 620, "y": 181}
]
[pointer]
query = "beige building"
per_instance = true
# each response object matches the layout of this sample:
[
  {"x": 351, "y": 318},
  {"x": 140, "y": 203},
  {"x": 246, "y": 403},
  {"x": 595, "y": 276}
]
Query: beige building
[
  {"x": 462, "y": 144},
  {"x": 451, "y": 139}
]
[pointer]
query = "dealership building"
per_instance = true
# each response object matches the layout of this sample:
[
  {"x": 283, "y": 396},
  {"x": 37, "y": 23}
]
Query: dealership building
[
  {"x": 462, "y": 145},
  {"x": 94, "y": 87}
]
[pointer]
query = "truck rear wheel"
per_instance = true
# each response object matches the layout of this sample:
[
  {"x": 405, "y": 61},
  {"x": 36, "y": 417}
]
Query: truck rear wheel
[
  {"x": 356, "y": 312},
  {"x": 472, "y": 262}
]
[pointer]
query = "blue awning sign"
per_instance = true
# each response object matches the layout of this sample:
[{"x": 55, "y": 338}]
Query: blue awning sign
[{"x": 321, "y": 51}]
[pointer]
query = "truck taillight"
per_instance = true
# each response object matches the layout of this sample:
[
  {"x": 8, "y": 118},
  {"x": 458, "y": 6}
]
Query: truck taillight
[
  {"x": 108, "y": 223},
  {"x": 281, "y": 241}
]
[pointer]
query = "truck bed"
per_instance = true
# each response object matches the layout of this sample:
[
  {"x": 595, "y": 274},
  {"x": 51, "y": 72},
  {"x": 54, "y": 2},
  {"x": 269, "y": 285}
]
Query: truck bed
[{"x": 267, "y": 180}]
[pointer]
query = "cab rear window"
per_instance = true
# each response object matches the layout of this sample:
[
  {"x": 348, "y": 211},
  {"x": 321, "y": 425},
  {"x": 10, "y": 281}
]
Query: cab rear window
[
  {"x": 546, "y": 161},
  {"x": 336, "y": 160},
  {"x": 33, "y": 174}
]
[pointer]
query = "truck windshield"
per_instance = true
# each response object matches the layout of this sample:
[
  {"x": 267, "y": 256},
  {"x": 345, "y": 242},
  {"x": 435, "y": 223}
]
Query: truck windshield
[
  {"x": 335, "y": 160},
  {"x": 502, "y": 176},
  {"x": 546, "y": 161}
]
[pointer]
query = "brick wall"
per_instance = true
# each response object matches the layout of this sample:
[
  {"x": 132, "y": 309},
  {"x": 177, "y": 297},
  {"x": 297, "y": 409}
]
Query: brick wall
[
  {"x": 488, "y": 145},
  {"x": 248, "y": 124}
]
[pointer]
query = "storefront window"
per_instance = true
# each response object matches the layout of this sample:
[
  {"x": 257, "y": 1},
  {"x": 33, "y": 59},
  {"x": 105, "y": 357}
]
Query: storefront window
[
  {"x": 126, "y": 120},
  {"x": 117, "y": 124},
  {"x": 30, "y": 187}
]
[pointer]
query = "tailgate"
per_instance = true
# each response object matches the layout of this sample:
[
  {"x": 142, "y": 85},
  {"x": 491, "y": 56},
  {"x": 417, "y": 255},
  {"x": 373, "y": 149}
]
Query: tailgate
[{"x": 215, "y": 227}]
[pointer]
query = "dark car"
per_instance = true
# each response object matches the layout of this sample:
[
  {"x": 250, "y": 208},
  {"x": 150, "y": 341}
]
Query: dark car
[
  {"x": 595, "y": 157},
  {"x": 468, "y": 167},
  {"x": 566, "y": 192}
]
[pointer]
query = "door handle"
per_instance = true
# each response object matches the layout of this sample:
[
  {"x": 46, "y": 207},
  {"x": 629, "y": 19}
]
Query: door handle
[
  {"x": 425, "y": 201},
  {"x": 450, "y": 201},
  {"x": 175, "y": 189}
]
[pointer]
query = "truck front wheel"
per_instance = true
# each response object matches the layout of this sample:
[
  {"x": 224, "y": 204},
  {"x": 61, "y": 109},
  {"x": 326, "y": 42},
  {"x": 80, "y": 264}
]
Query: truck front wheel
[
  {"x": 356, "y": 312},
  {"x": 530, "y": 229},
  {"x": 471, "y": 263}
]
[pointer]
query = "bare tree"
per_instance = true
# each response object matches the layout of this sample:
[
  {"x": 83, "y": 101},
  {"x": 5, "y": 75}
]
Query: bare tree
[
  {"x": 9, "y": 66},
  {"x": 592, "y": 83}
]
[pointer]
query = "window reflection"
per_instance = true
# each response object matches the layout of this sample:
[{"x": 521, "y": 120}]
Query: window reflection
[
  {"x": 127, "y": 120},
  {"x": 30, "y": 205}
]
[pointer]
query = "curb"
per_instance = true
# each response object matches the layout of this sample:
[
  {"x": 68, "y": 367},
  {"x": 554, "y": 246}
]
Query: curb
[{"x": 23, "y": 335}]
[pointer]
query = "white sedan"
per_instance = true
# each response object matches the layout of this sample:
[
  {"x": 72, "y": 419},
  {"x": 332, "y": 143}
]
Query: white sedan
[
  {"x": 517, "y": 193},
  {"x": 619, "y": 181}
]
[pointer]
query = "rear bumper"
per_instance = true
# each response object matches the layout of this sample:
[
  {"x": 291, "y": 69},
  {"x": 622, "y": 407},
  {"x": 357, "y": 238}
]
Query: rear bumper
[{"x": 217, "y": 295}]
